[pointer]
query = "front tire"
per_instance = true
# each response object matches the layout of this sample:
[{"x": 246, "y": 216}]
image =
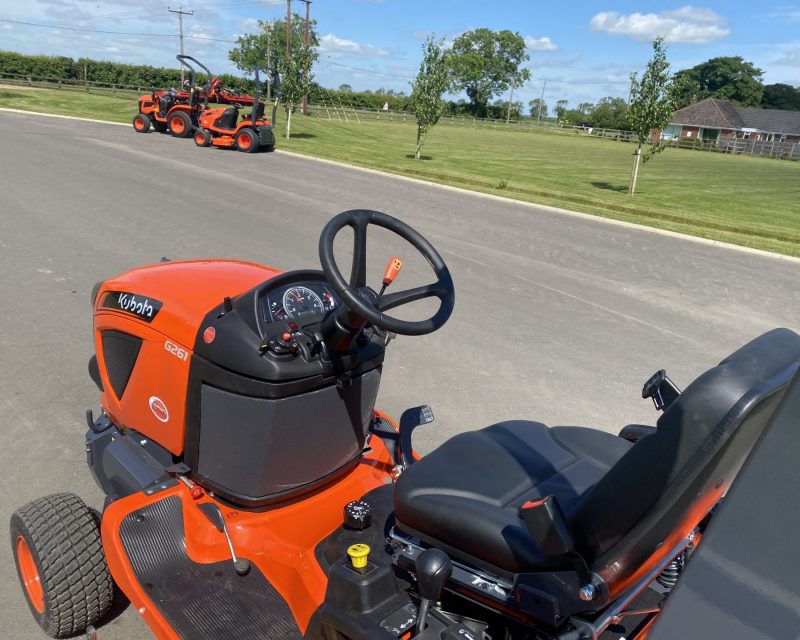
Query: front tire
[
  {"x": 180, "y": 125},
  {"x": 202, "y": 138},
  {"x": 141, "y": 123},
  {"x": 246, "y": 141},
  {"x": 61, "y": 564}
]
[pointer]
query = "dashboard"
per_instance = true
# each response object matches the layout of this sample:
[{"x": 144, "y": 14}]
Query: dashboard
[{"x": 297, "y": 300}]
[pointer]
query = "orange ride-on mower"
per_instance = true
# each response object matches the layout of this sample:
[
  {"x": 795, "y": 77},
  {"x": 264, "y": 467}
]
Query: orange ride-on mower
[
  {"x": 254, "y": 491},
  {"x": 221, "y": 127},
  {"x": 174, "y": 111}
]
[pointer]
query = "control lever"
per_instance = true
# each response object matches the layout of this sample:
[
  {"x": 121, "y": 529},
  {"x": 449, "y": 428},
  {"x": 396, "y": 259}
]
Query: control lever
[
  {"x": 433, "y": 568},
  {"x": 410, "y": 420},
  {"x": 214, "y": 514},
  {"x": 392, "y": 269},
  {"x": 661, "y": 389}
]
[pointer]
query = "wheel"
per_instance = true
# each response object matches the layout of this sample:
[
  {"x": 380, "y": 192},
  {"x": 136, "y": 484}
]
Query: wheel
[
  {"x": 246, "y": 141},
  {"x": 180, "y": 125},
  {"x": 202, "y": 138},
  {"x": 60, "y": 564},
  {"x": 161, "y": 127},
  {"x": 141, "y": 123},
  {"x": 365, "y": 303}
]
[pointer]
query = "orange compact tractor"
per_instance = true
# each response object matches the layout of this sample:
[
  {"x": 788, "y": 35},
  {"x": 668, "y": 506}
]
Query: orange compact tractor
[
  {"x": 254, "y": 491},
  {"x": 221, "y": 127},
  {"x": 174, "y": 111}
]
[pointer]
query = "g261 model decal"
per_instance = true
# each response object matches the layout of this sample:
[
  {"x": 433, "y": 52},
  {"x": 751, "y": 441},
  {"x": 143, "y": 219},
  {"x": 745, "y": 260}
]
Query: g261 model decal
[{"x": 133, "y": 303}]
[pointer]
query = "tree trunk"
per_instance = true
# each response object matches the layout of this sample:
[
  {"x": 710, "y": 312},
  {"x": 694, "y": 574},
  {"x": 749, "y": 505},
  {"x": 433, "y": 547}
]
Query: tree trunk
[
  {"x": 289, "y": 124},
  {"x": 637, "y": 156},
  {"x": 419, "y": 143}
]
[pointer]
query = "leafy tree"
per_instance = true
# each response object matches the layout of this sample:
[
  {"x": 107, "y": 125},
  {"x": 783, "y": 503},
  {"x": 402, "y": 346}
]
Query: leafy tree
[
  {"x": 538, "y": 108},
  {"x": 485, "y": 63},
  {"x": 296, "y": 77},
  {"x": 345, "y": 88},
  {"x": 652, "y": 105},
  {"x": 561, "y": 109},
  {"x": 431, "y": 82},
  {"x": 781, "y": 96},
  {"x": 253, "y": 49},
  {"x": 609, "y": 113},
  {"x": 727, "y": 78},
  {"x": 586, "y": 108}
]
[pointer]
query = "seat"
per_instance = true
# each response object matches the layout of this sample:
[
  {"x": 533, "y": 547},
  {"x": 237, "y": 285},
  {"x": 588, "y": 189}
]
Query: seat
[
  {"x": 228, "y": 119},
  {"x": 621, "y": 500},
  {"x": 465, "y": 496}
]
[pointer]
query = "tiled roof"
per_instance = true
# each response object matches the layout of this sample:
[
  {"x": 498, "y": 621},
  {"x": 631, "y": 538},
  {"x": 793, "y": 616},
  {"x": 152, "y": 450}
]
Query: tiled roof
[
  {"x": 770, "y": 120},
  {"x": 721, "y": 114},
  {"x": 709, "y": 113}
]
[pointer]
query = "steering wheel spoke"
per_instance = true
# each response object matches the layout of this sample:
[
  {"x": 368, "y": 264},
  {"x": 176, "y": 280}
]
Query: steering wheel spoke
[
  {"x": 392, "y": 300},
  {"x": 358, "y": 274}
]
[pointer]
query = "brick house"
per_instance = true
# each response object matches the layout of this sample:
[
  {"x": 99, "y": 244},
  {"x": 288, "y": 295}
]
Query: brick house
[{"x": 715, "y": 120}]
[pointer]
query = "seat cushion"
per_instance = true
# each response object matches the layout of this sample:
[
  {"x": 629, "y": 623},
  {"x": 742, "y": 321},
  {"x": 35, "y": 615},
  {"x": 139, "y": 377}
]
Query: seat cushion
[{"x": 465, "y": 496}]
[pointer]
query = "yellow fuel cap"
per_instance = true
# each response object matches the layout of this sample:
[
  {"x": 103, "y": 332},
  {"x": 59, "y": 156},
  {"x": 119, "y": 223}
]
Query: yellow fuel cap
[{"x": 359, "y": 553}]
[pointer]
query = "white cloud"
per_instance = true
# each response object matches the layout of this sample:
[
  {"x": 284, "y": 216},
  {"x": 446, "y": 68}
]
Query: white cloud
[
  {"x": 539, "y": 44},
  {"x": 332, "y": 45},
  {"x": 687, "y": 25},
  {"x": 788, "y": 55}
]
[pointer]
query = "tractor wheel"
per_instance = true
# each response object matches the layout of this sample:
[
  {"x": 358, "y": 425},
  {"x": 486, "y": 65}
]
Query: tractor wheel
[
  {"x": 60, "y": 563},
  {"x": 141, "y": 123},
  {"x": 180, "y": 124},
  {"x": 246, "y": 141},
  {"x": 202, "y": 138},
  {"x": 161, "y": 127}
]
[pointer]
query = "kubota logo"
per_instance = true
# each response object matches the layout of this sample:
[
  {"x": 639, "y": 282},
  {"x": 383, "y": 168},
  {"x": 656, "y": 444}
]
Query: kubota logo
[{"x": 159, "y": 409}]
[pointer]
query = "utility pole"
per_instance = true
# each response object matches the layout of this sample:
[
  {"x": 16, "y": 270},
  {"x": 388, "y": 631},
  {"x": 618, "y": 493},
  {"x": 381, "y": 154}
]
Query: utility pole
[
  {"x": 268, "y": 30},
  {"x": 510, "y": 98},
  {"x": 541, "y": 103},
  {"x": 288, "y": 29},
  {"x": 181, "y": 13},
  {"x": 305, "y": 40}
]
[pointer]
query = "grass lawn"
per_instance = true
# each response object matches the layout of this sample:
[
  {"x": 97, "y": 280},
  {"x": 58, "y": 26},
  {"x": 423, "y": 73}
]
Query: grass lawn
[{"x": 748, "y": 201}]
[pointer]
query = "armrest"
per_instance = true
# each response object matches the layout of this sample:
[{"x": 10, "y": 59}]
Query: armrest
[{"x": 635, "y": 432}]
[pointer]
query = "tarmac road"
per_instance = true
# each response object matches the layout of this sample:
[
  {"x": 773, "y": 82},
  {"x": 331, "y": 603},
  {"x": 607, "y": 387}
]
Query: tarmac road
[{"x": 558, "y": 318}]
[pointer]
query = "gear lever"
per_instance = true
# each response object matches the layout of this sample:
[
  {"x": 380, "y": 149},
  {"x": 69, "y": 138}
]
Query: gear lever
[{"x": 433, "y": 568}]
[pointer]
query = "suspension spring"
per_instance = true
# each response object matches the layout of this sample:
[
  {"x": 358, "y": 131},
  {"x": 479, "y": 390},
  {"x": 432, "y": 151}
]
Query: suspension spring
[{"x": 668, "y": 578}]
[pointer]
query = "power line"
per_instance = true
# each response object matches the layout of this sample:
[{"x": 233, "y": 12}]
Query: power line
[
  {"x": 372, "y": 71},
  {"x": 115, "y": 33}
]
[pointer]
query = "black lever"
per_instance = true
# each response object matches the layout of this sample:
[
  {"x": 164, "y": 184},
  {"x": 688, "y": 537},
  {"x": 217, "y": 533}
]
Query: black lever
[
  {"x": 410, "y": 420},
  {"x": 661, "y": 389},
  {"x": 213, "y": 513},
  {"x": 433, "y": 568}
]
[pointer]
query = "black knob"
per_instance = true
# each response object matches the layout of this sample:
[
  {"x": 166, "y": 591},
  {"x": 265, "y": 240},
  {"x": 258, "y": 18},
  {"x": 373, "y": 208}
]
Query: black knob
[
  {"x": 434, "y": 569},
  {"x": 357, "y": 515}
]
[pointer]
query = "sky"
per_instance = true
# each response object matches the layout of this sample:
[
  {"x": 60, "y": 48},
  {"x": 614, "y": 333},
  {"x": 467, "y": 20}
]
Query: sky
[{"x": 580, "y": 52}]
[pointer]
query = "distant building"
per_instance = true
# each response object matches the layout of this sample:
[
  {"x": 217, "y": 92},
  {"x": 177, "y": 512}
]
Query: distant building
[{"x": 720, "y": 121}]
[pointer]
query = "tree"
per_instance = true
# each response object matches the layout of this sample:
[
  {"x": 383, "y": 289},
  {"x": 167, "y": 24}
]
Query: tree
[
  {"x": 296, "y": 79},
  {"x": 652, "y": 105},
  {"x": 781, "y": 96},
  {"x": 268, "y": 46},
  {"x": 345, "y": 88},
  {"x": 609, "y": 113},
  {"x": 561, "y": 109},
  {"x": 538, "y": 108},
  {"x": 431, "y": 82},
  {"x": 727, "y": 78},
  {"x": 485, "y": 63},
  {"x": 586, "y": 108}
]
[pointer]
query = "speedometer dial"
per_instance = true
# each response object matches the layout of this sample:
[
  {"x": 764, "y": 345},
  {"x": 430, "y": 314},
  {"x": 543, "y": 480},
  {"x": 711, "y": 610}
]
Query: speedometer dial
[{"x": 298, "y": 301}]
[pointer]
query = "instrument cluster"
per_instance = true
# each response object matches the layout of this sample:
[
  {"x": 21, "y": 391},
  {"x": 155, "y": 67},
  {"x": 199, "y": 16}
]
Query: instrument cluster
[{"x": 296, "y": 300}]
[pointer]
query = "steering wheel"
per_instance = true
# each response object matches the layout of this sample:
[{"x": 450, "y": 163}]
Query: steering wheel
[{"x": 355, "y": 294}]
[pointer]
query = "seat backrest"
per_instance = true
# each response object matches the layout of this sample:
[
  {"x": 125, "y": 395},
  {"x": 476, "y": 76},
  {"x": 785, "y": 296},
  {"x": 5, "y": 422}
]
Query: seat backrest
[{"x": 669, "y": 480}]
